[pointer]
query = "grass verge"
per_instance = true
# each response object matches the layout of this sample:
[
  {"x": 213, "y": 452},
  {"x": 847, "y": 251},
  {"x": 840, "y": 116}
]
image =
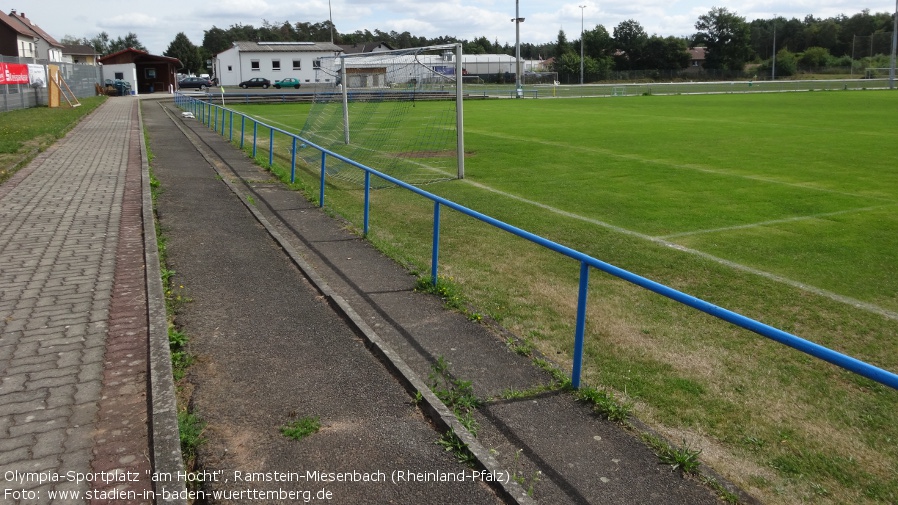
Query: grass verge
[
  {"x": 190, "y": 426},
  {"x": 26, "y": 132}
]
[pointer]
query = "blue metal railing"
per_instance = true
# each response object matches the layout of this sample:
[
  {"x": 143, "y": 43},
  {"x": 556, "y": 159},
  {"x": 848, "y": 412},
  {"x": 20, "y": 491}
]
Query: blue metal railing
[{"x": 199, "y": 108}]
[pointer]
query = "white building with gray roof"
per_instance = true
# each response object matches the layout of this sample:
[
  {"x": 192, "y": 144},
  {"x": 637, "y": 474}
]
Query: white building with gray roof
[{"x": 274, "y": 61}]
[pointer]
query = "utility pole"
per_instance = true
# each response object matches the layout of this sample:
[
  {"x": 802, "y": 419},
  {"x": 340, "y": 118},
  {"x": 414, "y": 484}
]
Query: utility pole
[
  {"x": 773, "y": 67},
  {"x": 331, "y": 14},
  {"x": 894, "y": 48},
  {"x": 517, "y": 48},
  {"x": 581, "y": 42}
]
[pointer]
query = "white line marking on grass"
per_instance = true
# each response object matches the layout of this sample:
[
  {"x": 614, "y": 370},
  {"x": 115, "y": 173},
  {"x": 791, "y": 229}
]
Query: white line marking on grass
[
  {"x": 661, "y": 240},
  {"x": 666, "y": 163},
  {"x": 869, "y": 307},
  {"x": 773, "y": 221},
  {"x": 272, "y": 122}
]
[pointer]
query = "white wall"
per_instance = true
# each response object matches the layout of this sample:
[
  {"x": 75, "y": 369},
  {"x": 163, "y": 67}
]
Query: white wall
[
  {"x": 234, "y": 67},
  {"x": 128, "y": 70}
]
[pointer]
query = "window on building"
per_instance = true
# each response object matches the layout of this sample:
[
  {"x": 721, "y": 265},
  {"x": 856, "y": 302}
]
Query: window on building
[
  {"x": 297, "y": 65},
  {"x": 316, "y": 64},
  {"x": 275, "y": 65},
  {"x": 254, "y": 65}
]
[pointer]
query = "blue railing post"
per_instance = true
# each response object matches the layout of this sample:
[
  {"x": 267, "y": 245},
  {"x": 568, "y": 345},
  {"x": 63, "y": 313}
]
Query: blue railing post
[
  {"x": 435, "y": 249},
  {"x": 242, "y": 130},
  {"x": 255, "y": 137},
  {"x": 321, "y": 187},
  {"x": 581, "y": 325},
  {"x": 293, "y": 162},
  {"x": 367, "y": 201},
  {"x": 231, "y": 127},
  {"x": 270, "y": 146}
]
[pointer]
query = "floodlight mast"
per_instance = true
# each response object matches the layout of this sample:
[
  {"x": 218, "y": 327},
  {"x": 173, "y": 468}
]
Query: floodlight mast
[
  {"x": 773, "y": 66},
  {"x": 894, "y": 48},
  {"x": 581, "y": 42},
  {"x": 517, "y": 48}
]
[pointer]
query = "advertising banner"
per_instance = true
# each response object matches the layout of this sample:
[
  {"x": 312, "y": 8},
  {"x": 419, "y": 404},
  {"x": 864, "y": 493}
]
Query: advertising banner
[
  {"x": 37, "y": 75},
  {"x": 13, "y": 73}
]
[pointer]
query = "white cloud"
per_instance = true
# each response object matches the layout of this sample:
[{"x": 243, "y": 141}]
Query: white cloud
[{"x": 131, "y": 21}]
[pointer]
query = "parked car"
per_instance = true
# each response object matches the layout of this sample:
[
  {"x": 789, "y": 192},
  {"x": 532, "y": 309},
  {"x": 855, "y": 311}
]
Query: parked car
[
  {"x": 289, "y": 82},
  {"x": 195, "y": 82},
  {"x": 256, "y": 82}
]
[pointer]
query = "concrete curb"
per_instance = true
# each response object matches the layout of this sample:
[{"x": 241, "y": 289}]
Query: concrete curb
[
  {"x": 164, "y": 431},
  {"x": 431, "y": 405}
]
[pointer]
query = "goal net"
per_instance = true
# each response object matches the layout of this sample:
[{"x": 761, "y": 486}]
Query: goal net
[{"x": 397, "y": 112}]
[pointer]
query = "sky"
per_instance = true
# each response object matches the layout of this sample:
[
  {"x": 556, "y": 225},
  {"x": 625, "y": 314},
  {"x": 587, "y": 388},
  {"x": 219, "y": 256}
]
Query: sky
[{"x": 157, "y": 22}]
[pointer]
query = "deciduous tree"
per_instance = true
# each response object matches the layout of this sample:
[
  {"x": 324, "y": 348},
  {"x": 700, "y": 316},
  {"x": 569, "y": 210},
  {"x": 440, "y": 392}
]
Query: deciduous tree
[{"x": 727, "y": 38}]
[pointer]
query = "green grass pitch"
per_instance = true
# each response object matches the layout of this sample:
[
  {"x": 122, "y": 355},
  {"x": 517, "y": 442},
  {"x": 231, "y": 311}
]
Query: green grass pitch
[
  {"x": 779, "y": 206},
  {"x": 801, "y": 185}
]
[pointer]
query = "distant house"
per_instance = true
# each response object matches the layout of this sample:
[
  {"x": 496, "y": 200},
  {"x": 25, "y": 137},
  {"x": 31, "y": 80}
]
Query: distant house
[
  {"x": 146, "y": 73},
  {"x": 697, "y": 59},
  {"x": 80, "y": 53},
  {"x": 274, "y": 61},
  {"x": 21, "y": 37}
]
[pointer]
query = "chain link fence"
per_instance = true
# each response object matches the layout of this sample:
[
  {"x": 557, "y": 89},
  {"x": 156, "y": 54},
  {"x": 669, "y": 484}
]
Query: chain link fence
[
  {"x": 672, "y": 88},
  {"x": 81, "y": 79}
]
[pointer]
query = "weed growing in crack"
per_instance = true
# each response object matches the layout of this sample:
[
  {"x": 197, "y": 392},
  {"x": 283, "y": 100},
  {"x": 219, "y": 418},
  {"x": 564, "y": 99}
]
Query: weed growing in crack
[
  {"x": 527, "y": 483},
  {"x": 605, "y": 403},
  {"x": 450, "y": 293},
  {"x": 458, "y": 396},
  {"x": 682, "y": 458},
  {"x": 301, "y": 428},
  {"x": 452, "y": 443},
  {"x": 190, "y": 431},
  {"x": 181, "y": 359},
  {"x": 522, "y": 347}
]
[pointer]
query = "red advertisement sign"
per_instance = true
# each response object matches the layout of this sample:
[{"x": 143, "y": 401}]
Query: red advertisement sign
[{"x": 13, "y": 73}]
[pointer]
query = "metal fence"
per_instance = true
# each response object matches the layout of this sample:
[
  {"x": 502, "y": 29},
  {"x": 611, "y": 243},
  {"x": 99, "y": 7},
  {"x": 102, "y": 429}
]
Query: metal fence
[
  {"x": 222, "y": 121},
  {"x": 674, "y": 88},
  {"x": 80, "y": 78}
]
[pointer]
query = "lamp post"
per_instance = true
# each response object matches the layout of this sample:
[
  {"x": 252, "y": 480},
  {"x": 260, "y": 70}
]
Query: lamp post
[
  {"x": 894, "y": 48},
  {"x": 581, "y": 42},
  {"x": 517, "y": 48},
  {"x": 773, "y": 66}
]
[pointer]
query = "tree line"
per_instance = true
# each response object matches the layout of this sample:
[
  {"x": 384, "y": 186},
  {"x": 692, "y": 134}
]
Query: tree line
[{"x": 731, "y": 43}]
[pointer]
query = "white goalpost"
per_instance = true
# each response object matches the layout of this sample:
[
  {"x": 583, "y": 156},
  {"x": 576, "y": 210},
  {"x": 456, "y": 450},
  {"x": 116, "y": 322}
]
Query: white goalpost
[{"x": 398, "y": 112}]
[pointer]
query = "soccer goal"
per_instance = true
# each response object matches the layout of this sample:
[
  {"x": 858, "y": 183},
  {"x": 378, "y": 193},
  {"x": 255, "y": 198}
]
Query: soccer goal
[
  {"x": 398, "y": 112},
  {"x": 619, "y": 91}
]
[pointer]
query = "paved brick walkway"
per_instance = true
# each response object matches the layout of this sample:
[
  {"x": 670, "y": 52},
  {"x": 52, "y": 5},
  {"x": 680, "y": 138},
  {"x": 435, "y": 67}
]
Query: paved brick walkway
[{"x": 73, "y": 317}]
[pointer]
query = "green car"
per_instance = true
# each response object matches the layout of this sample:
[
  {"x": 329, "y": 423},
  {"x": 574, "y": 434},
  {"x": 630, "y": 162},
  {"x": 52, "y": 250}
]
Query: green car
[{"x": 287, "y": 83}]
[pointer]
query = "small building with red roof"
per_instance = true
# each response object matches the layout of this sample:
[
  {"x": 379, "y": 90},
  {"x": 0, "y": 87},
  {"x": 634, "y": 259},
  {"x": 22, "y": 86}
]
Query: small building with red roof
[{"x": 145, "y": 72}]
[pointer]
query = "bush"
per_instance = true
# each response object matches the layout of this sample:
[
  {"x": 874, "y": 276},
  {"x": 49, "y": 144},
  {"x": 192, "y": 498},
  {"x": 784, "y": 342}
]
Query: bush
[
  {"x": 840, "y": 61},
  {"x": 786, "y": 64},
  {"x": 815, "y": 57}
]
